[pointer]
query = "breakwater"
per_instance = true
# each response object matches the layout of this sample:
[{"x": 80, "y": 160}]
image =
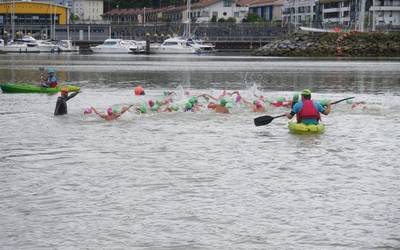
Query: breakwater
[{"x": 349, "y": 44}]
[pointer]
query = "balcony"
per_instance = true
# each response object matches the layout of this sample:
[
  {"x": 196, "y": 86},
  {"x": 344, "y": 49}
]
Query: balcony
[{"x": 384, "y": 8}]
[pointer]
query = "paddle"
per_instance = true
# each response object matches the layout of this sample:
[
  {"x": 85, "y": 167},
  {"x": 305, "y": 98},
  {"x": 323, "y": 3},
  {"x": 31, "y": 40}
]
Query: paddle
[{"x": 266, "y": 119}]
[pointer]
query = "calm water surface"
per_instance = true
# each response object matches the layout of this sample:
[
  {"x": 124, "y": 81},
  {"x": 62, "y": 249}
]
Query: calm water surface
[{"x": 199, "y": 180}]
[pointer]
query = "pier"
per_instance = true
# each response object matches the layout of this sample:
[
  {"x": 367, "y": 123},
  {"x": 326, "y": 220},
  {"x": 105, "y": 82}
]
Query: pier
[{"x": 225, "y": 36}]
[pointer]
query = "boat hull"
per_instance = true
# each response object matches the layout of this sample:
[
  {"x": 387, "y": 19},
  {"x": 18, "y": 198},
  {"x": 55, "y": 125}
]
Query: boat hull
[
  {"x": 29, "y": 88},
  {"x": 300, "y": 128}
]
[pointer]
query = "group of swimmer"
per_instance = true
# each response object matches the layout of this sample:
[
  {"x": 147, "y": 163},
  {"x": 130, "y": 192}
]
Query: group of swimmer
[{"x": 307, "y": 111}]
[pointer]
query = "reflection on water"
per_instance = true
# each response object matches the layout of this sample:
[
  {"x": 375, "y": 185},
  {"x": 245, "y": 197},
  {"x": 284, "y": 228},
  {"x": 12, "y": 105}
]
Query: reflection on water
[
  {"x": 199, "y": 180},
  {"x": 195, "y": 71}
]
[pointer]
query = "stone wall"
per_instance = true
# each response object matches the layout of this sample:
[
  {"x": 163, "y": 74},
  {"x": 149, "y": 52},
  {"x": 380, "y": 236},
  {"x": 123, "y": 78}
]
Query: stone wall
[{"x": 351, "y": 44}]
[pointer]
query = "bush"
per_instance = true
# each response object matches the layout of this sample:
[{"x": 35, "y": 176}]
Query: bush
[
  {"x": 231, "y": 20},
  {"x": 253, "y": 18}
]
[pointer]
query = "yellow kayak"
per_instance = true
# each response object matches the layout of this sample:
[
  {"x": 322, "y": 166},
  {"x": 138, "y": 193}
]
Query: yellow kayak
[{"x": 301, "y": 128}]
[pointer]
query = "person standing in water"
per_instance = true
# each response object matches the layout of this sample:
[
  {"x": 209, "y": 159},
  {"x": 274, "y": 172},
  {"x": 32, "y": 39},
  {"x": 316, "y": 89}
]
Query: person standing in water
[
  {"x": 61, "y": 105},
  {"x": 112, "y": 114}
]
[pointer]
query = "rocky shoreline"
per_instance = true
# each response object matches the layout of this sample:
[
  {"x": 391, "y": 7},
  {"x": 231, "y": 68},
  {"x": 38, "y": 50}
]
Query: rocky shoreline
[{"x": 350, "y": 44}]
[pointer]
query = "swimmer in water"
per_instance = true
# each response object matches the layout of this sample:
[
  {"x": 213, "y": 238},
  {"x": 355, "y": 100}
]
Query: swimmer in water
[{"x": 112, "y": 114}]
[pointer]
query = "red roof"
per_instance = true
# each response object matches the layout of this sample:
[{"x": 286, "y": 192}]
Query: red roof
[{"x": 256, "y": 3}]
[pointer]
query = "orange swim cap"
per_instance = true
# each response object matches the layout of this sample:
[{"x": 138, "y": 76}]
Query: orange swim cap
[
  {"x": 64, "y": 89},
  {"x": 139, "y": 90}
]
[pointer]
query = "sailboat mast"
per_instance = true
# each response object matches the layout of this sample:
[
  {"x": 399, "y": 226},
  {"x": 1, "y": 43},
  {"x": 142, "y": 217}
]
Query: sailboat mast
[
  {"x": 13, "y": 21},
  {"x": 188, "y": 13}
]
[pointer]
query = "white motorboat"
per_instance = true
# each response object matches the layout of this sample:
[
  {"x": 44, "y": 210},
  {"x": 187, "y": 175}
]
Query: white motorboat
[
  {"x": 27, "y": 44},
  {"x": 137, "y": 46},
  {"x": 113, "y": 46},
  {"x": 66, "y": 46},
  {"x": 47, "y": 46},
  {"x": 200, "y": 45},
  {"x": 175, "y": 45}
]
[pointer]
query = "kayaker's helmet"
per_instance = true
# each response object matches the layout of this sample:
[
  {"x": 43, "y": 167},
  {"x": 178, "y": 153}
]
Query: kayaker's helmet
[
  {"x": 51, "y": 70},
  {"x": 306, "y": 93}
]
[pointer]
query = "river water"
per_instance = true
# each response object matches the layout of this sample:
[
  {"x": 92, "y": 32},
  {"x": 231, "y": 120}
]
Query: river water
[{"x": 199, "y": 180}]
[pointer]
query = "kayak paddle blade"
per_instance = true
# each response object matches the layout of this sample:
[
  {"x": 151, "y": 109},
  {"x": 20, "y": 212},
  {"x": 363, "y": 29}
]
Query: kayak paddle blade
[{"x": 263, "y": 120}]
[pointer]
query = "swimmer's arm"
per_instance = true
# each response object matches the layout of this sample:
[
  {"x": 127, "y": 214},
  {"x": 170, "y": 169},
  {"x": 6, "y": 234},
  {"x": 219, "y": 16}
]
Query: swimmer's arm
[
  {"x": 97, "y": 113},
  {"x": 72, "y": 95}
]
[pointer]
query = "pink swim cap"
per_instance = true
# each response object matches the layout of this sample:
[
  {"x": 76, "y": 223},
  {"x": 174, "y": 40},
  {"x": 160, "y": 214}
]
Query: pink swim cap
[
  {"x": 258, "y": 104},
  {"x": 238, "y": 98},
  {"x": 151, "y": 103},
  {"x": 109, "y": 111},
  {"x": 87, "y": 111}
]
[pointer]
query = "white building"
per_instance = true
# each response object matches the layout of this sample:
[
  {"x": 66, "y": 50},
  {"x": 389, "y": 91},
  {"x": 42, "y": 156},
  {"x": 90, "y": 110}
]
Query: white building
[
  {"x": 299, "y": 12},
  {"x": 385, "y": 13},
  {"x": 204, "y": 10},
  {"x": 335, "y": 12},
  {"x": 88, "y": 10}
]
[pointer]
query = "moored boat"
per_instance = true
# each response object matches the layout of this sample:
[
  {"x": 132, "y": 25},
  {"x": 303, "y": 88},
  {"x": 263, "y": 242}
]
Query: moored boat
[
  {"x": 301, "y": 128},
  {"x": 16, "y": 88}
]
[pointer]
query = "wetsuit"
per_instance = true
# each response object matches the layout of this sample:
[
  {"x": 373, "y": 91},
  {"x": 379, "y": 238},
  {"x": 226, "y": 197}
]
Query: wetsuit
[{"x": 61, "y": 105}]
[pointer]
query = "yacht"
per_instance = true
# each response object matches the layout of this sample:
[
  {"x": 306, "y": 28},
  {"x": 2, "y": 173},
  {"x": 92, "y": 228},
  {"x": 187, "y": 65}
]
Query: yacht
[
  {"x": 113, "y": 46},
  {"x": 27, "y": 44},
  {"x": 47, "y": 46},
  {"x": 137, "y": 46},
  {"x": 66, "y": 46},
  {"x": 200, "y": 45},
  {"x": 175, "y": 45}
]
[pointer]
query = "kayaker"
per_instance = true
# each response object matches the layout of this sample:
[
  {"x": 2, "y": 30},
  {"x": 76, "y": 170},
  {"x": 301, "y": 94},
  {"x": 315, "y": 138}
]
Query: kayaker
[
  {"x": 112, "y": 114},
  {"x": 307, "y": 111},
  {"x": 51, "y": 80},
  {"x": 61, "y": 105}
]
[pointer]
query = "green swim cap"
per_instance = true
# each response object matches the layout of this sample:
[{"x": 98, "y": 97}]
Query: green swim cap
[
  {"x": 193, "y": 100},
  {"x": 229, "y": 105},
  {"x": 295, "y": 97},
  {"x": 324, "y": 102},
  {"x": 158, "y": 103},
  {"x": 188, "y": 105},
  {"x": 349, "y": 101},
  {"x": 306, "y": 92},
  {"x": 174, "y": 107},
  {"x": 115, "y": 109},
  {"x": 223, "y": 102},
  {"x": 143, "y": 109},
  {"x": 155, "y": 107},
  {"x": 280, "y": 99}
]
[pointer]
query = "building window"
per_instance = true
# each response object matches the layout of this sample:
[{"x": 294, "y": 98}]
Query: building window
[
  {"x": 227, "y": 3},
  {"x": 215, "y": 13},
  {"x": 236, "y": 14}
]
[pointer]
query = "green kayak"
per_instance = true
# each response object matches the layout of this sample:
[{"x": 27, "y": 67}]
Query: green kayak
[{"x": 29, "y": 88}]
